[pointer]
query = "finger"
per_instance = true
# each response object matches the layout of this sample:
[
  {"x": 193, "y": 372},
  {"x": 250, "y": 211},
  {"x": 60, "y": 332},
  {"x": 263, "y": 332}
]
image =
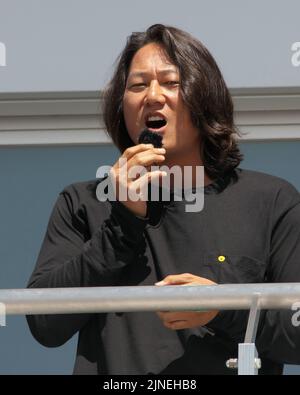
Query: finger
[
  {"x": 147, "y": 158},
  {"x": 176, "y": 279},
  {"x": 169, "y": 316},
  {"x": 131, "y": 151},
  {"x": 199, "y": 281},
  {"x": 176, "y": 325},
  {"x": 141, "y": 184},
  {"x": 124, "y": 170}
]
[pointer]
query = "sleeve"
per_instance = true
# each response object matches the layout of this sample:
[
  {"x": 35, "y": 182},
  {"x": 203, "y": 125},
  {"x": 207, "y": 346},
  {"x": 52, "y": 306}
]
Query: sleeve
[
  {"x": 277, "y": 338},
  {"x": 66, "y": 259}
]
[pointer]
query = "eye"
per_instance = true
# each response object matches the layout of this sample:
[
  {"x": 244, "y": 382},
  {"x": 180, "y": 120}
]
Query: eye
[
  {"x": 172, "y": 83},
  {"x": 137, "y": 85}
]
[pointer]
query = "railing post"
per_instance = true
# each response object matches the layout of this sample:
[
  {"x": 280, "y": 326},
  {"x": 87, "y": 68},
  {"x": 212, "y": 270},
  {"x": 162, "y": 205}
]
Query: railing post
[
  {"x": 248, "y": 362},
  {"x": 2, "y": 314}
]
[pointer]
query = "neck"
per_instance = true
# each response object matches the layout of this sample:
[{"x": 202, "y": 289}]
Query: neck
[{"x": 192, "y": 161}]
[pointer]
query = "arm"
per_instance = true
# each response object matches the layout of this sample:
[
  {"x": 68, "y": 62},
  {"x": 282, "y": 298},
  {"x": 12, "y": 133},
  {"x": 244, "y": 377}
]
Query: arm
[
  {"x": 68, "y": 259},
  {"x": 277, "y": 339}
]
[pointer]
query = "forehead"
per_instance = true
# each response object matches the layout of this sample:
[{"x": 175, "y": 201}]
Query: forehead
[{"x": 151, "y": 57}]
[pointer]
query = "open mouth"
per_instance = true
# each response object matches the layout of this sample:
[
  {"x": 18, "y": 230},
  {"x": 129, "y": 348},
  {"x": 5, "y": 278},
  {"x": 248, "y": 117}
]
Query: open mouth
[{"x": 155, "y": 124}]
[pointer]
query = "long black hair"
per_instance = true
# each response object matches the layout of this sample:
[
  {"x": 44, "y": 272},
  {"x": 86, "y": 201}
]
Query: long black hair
[{"x": 203, "y": 90}]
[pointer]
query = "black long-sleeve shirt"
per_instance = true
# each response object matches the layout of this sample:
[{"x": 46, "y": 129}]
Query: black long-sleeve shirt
[{"x": 251, "y": 218}]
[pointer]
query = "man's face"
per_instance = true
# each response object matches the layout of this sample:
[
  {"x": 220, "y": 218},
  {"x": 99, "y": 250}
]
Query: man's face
[{"x": 153, "y": 89}]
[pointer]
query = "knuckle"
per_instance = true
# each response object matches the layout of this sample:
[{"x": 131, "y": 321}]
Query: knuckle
[
  {"x": 129, "y": 151},
  {"x": 126, "y": 152},
  {"x": 139, "y": 160}
]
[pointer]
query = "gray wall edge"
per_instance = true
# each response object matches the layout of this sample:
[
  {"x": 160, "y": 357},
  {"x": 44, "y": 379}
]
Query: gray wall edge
[{"x": 75, "y": 118}]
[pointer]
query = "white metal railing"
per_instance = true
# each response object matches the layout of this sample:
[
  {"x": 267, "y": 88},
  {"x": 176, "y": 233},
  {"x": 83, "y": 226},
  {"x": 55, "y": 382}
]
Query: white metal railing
[
  {"x": 148, "y": 298},
  {"x": 253, "y": 297}
]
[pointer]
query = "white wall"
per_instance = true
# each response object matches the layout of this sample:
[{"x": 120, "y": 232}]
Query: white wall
[{"x": 63, "y": 45}]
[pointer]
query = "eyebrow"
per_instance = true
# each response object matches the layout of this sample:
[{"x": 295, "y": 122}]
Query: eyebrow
[{"x": 145, "y": 73}]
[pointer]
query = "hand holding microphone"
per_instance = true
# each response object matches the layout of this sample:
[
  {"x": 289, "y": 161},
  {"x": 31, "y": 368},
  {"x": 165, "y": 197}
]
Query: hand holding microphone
[{"x": 148, "y": 152}]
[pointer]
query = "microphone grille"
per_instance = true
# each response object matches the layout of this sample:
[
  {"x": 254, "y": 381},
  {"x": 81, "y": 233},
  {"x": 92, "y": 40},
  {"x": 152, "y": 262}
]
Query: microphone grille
[{"x": 148, "y": 137}]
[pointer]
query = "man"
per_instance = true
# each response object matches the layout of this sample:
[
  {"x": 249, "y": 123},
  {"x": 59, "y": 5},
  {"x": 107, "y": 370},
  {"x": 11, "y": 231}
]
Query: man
[{"x": 247, "y": 232}]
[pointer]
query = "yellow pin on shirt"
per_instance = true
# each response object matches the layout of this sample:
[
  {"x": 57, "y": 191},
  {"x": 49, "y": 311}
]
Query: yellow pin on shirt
[{"x": 221, "y": 258}]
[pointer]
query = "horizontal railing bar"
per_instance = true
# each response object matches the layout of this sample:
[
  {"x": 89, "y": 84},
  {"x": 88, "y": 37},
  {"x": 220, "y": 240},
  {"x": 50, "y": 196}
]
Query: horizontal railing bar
[{"x": 148, "y": 298}]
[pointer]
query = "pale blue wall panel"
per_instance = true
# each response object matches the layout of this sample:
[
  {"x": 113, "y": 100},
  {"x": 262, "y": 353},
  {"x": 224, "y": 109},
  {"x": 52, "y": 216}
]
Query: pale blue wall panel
[{"x": 31, "y": 179}]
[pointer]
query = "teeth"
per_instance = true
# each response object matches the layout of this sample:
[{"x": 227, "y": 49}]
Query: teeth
[{"x": 155, "y": 118}]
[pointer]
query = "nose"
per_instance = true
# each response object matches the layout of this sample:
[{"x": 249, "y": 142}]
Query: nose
[{"x": 155, "y": 93}]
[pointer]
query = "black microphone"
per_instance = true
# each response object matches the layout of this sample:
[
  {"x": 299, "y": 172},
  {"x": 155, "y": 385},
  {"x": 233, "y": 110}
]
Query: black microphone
[{"x": 148, "y": 137}]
